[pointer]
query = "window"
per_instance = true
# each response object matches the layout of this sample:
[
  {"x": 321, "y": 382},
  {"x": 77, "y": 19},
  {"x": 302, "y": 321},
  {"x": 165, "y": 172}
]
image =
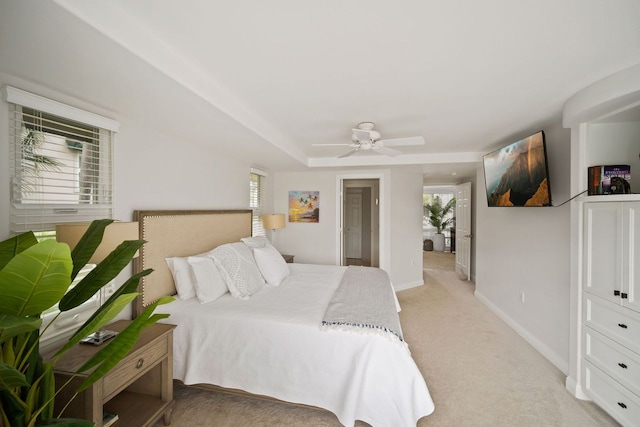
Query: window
[
  {"x": 60, "y": 162},
  {"x": 60, "y": 165},
  {"x": 256, "y": 200}
]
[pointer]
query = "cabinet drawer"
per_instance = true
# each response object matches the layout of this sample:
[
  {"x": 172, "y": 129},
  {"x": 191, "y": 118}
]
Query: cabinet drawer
[
  {"x": 613, "y": 321},
  {"x": 618, "y": 362},
  {"x": 619, "y": 402},
  {"x": 132, "y": 367}
]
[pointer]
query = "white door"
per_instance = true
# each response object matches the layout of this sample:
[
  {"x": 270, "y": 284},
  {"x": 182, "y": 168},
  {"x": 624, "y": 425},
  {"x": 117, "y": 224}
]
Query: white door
[
  {"x": 463, "y": 230},
  {"x": 353, "y": 222}
]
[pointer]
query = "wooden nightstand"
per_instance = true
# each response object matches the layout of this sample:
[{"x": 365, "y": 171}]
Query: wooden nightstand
[
  {"x": 139, "y": 389},
  {"x": 288, "y": 258}
]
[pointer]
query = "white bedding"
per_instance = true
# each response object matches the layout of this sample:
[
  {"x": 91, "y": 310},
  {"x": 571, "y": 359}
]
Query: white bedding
[{"x": 272, "y": 344}]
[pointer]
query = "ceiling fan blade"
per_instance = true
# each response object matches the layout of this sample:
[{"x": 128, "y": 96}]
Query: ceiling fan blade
[
  {"x": 412, "y": 140},
  {"x": 386, "y": 151},
  {"x": 320, "y": 145},
  {"x": 348, "y": 153}
]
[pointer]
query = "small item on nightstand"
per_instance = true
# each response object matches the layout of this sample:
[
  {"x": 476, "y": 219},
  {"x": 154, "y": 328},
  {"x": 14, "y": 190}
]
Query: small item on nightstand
[
  {"x": 109, "y": 419},
  {"x": 98, "y": 337}
]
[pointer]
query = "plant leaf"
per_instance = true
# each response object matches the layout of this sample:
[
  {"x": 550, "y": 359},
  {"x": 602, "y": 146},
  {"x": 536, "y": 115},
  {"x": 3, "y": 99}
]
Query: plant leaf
[
  {"x": 88, "y": 244},
  {"x": 11, "y": 378},
  {"x": 13, "y": 246},
  {"x": 98, "y": 320},
  {"x": 113, "y": 353},
  {"x": 102, "y": 274},
  {"x": 10, "y": 326},
  {"x": 35, "y": 279}
]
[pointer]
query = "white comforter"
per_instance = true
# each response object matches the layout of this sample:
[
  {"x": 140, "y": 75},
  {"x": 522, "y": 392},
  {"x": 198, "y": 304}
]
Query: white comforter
[{"x": 272, "y": 344}]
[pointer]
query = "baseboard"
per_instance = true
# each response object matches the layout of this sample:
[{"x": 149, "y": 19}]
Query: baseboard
[
  {"x": 408, "y": 285},
  {"x": 551, "y": 355},
  {"x": 575, "y": 389}
]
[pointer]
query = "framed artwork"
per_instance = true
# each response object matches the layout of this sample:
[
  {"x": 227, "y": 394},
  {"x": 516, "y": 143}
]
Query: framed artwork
[{"x": 304, "y": 206}]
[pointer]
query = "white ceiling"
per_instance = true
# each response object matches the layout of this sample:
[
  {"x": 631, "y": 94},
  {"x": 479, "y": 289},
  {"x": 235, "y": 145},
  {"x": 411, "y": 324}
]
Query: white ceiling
[{"x": 270, "y": 79}]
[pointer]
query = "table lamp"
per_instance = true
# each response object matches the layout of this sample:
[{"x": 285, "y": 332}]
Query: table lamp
[{"x": 273, "y": 222}]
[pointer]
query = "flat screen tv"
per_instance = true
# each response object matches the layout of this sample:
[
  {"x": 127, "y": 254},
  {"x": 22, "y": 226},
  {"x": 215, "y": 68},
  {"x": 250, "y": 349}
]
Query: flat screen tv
[{"x": 517, "y": 174}]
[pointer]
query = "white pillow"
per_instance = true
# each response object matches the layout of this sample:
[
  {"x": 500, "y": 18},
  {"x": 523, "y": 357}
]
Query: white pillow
[
  {"x": 182, "y": 277},
  {"x": 256, "y": 241},
  {"x": 238, "y": 269},
  {"x": 271, "y": 264},
  {"x": 209, "y": 284}
]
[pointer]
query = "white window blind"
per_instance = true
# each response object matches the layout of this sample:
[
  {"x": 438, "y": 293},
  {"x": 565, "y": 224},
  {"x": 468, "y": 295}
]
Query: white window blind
[
  {"x": 256, "y": 199},
  {"x": 61, "y": 168}
]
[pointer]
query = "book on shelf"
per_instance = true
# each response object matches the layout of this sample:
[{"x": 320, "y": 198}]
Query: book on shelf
[{"x": 109, "y": 419}]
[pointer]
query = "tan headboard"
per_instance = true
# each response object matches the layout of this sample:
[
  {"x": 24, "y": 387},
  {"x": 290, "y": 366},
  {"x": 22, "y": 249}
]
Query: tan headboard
[{"x": 170, "y": 233}]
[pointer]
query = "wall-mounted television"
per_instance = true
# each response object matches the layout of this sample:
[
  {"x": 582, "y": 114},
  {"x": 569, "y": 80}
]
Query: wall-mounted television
[{"x": 518, "y": 174}]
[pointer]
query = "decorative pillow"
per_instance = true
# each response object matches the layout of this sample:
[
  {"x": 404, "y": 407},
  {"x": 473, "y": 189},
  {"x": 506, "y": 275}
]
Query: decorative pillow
[
  {"x": 182, "y": 277},
  {"x": 271, "y": 264},
  {"x": 238, "y": 269},
  {"x": 209, "y": 284},
  {"x": 256, "y": 242}
]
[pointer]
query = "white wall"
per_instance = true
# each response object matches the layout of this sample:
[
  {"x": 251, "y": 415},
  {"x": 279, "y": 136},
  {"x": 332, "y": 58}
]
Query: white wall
[
  {"x": 406, "y": 229},
  {"x": 526, "y": 251},
  {"x": 400, "y": 219}
]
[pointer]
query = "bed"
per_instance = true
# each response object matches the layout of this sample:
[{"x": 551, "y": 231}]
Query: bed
[{"x": 279, "y": 341}]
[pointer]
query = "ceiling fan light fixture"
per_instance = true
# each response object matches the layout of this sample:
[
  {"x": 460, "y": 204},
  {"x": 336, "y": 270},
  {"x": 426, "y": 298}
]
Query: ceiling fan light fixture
[{"x": 366, "y": 125}]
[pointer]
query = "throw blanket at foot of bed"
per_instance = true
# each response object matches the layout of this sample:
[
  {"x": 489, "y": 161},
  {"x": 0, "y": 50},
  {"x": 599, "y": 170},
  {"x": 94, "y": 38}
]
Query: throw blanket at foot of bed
[{"x": 364, "y": 302}]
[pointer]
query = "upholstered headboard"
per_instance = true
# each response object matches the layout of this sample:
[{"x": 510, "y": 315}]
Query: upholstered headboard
[{"x": 170, "y": 233}]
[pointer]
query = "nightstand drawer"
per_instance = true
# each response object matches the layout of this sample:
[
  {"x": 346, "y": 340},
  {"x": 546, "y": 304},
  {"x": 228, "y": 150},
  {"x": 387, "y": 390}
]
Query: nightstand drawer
[{"x": 132, "y": 367}]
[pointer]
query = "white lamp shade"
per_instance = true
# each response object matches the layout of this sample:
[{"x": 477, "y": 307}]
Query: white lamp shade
[
  {"x": 114, "y": 234},
  {"x": 273, "y": 221}
]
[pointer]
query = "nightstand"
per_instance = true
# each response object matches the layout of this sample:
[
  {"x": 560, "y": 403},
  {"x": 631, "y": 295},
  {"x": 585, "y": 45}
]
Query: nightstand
[
  {"x": 139, "y": 389},
  {"x": 288, "y": 258}
]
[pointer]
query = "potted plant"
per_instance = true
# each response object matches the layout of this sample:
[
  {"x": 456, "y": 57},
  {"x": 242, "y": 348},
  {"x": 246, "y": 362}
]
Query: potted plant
[
  {"x": 439, "y": 217},
  {"x": 35, "y": 276}
]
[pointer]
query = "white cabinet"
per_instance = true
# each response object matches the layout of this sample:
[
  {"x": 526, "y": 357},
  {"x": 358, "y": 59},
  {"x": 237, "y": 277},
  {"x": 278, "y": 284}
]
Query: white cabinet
[
  {"x": 612, "y": 252},
  {"x": 611, "y": 309}
]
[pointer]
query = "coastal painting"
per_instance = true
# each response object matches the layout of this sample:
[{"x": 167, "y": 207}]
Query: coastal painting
[{"x": 304, "y": 206}]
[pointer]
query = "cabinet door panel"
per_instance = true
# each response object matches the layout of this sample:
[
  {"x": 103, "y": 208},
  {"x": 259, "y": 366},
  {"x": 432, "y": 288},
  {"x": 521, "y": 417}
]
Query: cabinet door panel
[{"x": 603, "y": 249}]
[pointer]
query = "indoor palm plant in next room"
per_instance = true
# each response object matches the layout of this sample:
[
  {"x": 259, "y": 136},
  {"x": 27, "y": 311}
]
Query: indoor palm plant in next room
[
  {"x": 440, "y": 217},
  {"x": 35, "y": 276}
]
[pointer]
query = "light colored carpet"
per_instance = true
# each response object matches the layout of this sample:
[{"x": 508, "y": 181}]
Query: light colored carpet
[
  {"x": 438, "y": 260},
  {"x": 479, "y": 373}
]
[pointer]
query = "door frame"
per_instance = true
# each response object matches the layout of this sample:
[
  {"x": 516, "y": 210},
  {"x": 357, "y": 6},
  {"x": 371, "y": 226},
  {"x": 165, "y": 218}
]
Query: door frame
[{"x": 384, "y": 237}]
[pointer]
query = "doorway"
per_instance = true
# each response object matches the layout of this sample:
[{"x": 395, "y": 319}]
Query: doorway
[{"x": 361, "y": 219}]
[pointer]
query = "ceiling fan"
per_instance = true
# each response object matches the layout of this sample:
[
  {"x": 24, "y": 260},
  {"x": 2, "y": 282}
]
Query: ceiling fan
[{"x": 365, "y": 138}]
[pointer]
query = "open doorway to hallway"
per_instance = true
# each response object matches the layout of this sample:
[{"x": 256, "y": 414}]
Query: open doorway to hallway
[
  {"x": 361, "y": 201},
  {"x": 434, "y": 256}
]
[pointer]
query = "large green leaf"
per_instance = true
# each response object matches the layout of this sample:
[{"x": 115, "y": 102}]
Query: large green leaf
[
  {"x": 97, "y": 322},
  {"x": 87, "y": 245},
  {"x": 11, "y": 378},
  {"x": 101, "y": 317},
  {"x": 102, "y": 274},
  {"x": 112, "y": 354},
  {"x": 13, "y": 246},
  {"x": 10, "y": 326},
  {"x": 35, "y": 279}
]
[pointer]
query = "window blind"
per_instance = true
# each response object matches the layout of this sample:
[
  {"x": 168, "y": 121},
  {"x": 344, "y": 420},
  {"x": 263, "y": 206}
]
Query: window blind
[
  {"x": 256, "y": 200},
  {"x": 61, "y": 169}
]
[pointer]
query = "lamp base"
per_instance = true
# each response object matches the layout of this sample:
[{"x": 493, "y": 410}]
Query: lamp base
[{"x": 98, "y": 337}]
